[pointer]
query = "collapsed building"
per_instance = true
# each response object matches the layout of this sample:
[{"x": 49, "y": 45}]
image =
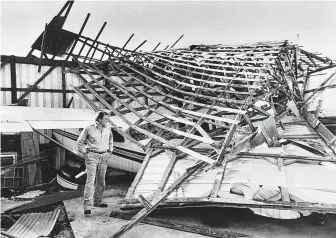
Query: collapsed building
[{"x": 220, "y": 125}]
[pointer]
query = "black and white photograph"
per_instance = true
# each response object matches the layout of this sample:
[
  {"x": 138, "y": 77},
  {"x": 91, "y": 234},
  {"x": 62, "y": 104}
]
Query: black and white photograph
[{"x": 172, "y": 119}]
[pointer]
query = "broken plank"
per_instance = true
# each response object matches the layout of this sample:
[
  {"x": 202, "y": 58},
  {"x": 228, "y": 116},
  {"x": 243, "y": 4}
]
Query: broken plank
[
  {"x": 139, "y": 174},
  {"x": 297, "y": 157},
  {"x": 165, "y": 176},
  {"x": 227, "y": 202}
]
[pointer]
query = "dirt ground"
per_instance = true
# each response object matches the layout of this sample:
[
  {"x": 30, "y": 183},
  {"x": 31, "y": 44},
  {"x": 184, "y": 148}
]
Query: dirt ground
[{"x": 99, "y": 224}]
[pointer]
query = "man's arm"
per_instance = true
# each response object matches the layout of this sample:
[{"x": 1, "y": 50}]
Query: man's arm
[
  {"x": 81, "y": 141},
  {"x": 111, "y": 141}
]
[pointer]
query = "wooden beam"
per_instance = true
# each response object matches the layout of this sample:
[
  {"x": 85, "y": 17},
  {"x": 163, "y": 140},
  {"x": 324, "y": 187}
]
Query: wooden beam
[
  {"x": 144, "y": 212},
  {"x": 52, "y": 140},
  {"x": 321, "y": 85},
  {"x": 36, "y": 61},
  {"x": 181, "y": 91},
  {"x": 68, "y": 10},
  {"x": 60, "y": 157},
  {"x": 296, "y": 56},
  {"x": 149, "y": 134},
  {"x": 176, "y": 41},
  {"x": 13, "y": 80},
  {"x": 43, "y": 45},
  {"x": 95, "y": 40},
  {"x": 314, "y": 56},
  {"x": 156, "y": 46},
  {"x": 86, "y": 99},
  {"x": 64, "y": 86},
  {"x": 226, "y": 202},
  {"x": 67, "y": 4},
  {"x": 254, "y": 155},
  {"x": 144, "y": 202},
  {"x": 225, "y": 69},
  {"x": 37, "y": 82},
  {"x": 30, "y": 146},
  {"x": 138, "y": 47},
  {"x": 321, "y": 69},
  {"x": 243, "y": 144},
  {"x": 5, "y": 61},
  {"x": 70, "y": 102},
  {"x": 219, "y": 108},
  {"x": 139, "y": 174},
  {"x": 129, "y": 39},
  {"x": 107, "y": 105},
  {"x": 319, "y": 88},
  {"x": 41, "y": 90},
  {"x": 103, "y": 54},
  {"x": 79, "y": 34},
  {"x": 324, "y": 132},
  {"x": 165, "y": 176}
]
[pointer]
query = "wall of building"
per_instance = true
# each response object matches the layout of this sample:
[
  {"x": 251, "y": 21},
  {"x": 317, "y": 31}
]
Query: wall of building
[{"x": 27, "y": 74}]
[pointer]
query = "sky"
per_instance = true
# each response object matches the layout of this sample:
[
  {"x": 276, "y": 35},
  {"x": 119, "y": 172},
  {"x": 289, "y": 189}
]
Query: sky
[{"x": 204, "y": 22}]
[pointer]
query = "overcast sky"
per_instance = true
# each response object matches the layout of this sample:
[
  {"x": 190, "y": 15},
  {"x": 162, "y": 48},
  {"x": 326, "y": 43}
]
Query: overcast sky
[{"x": 199, "y": 22}]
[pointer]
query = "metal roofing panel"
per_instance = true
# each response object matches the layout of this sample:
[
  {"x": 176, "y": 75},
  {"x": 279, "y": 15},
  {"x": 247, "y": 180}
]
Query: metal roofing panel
[{"x": 33, "y": 225}]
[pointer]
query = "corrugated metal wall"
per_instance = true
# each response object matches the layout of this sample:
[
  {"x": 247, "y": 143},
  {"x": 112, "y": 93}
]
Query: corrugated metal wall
[{"x": 26, "y": 74}]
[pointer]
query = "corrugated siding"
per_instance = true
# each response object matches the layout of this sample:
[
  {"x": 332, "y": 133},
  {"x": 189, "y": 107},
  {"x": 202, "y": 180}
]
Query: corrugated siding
[
  {"x": 34, "y": 225},
  {"x": 5, "y": 82},
  {"x": 26, "y": 74}
]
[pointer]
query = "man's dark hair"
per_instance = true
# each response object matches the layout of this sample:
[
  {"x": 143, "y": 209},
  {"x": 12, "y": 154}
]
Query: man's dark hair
[{"x": 100, "y": 115}]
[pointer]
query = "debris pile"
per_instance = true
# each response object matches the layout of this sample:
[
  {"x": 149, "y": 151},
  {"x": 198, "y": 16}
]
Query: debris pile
[{"x": 221, "y": 125}]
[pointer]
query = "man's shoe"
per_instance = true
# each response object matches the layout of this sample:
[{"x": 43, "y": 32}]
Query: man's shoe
[
  {"x": 87, "y": 212},
  {"x": 101, "y": 205}
]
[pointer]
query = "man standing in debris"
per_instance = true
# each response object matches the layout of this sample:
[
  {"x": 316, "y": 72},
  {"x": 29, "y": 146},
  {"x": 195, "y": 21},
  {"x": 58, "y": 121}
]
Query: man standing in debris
[{"x": 96, "y": 144}]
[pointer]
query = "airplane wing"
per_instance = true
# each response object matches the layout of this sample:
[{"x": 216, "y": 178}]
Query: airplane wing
[{"x": 15, "y": 118}]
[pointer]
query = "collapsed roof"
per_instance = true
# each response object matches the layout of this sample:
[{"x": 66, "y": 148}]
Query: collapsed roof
[{"x": 239, "y": 112}]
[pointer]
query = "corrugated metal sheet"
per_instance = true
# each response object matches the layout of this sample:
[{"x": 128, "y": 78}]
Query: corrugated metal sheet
[
  {"x": 26, "y": 74},
  {"x": 7, "y": 204},
  {"x": 33, "y": 225}
]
